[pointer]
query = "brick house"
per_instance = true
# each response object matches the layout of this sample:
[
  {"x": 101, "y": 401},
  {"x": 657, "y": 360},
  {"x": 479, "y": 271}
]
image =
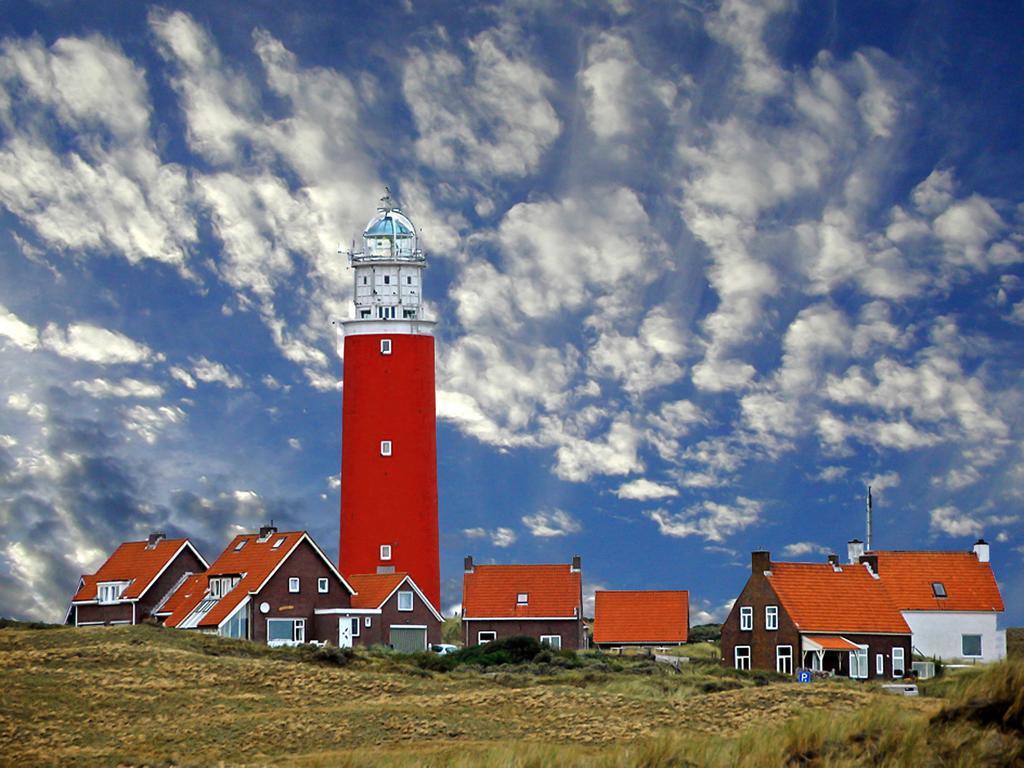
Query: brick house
[
  {"x": 540, "y": 601},
  {"x": 825, "y": 617},
  {"x": 387, "y": 609},
  {"x": 269, "y": 587},
  {"x": 641, "y": 618},
  {"x": 950, "y": 600},
  {"x": 135, "y": 581}
]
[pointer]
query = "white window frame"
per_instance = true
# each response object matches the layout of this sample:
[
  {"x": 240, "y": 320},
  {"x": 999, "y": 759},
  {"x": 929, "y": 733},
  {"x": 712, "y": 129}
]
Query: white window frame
[
  {"x": 481, "y": 640},
  {"x": 779, "y": 658},
  {"x": 981, "y": 648},
  {"x": 115, "y": 587},
  {"x": 898, "y": 653},
  {"x": 880, "y": 664},
  {"x": 523, "y": 598},
  {"x": 859, "y": 663},
  {"x": 771, "y": 617},
  {"x": 367, "y": 622},
  {"x": 737, "y": 657},
  {"x": 385, "y": 346},
  {"x": 554, "y": 642},
  {"x": 355, "y": 626},
  {"x": 294, "y": 585},
  {"x": 298, "y": 631},
  {"x": 405, "y": 596},
  {"x": 323, "y": 584},
  {"x": 385, "y": 448},
  {"x": 385, "y": 551},
  {"x": 277, "y": 544},
  {"x": 746, "y": 618}
]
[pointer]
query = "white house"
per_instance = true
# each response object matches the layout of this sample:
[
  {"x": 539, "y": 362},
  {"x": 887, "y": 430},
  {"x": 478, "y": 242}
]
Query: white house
[{"x": 950, "y": 600}]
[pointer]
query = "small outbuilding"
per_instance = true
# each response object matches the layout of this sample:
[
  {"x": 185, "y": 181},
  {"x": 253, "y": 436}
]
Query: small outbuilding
[{"x": 641, "y": 618}]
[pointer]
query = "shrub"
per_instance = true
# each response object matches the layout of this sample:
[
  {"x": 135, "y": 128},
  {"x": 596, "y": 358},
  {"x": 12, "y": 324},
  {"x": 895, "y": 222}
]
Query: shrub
[{"x": 333, "y": 655}]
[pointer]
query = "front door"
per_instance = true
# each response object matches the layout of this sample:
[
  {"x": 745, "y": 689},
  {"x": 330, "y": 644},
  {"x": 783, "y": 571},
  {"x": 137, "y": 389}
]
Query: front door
[{"x": 345, "y": 632}]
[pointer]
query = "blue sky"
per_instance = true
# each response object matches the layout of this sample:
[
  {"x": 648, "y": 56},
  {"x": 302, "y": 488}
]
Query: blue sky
[{"x": 702, "y": 273}]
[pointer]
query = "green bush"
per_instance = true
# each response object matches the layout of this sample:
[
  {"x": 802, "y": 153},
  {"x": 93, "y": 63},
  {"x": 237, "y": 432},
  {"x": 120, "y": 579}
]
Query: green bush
[{"x": 333, "y": 655}]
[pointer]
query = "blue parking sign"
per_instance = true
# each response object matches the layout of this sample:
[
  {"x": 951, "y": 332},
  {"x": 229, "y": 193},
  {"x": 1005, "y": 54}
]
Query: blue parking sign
[{"x": 803, "y": 676}]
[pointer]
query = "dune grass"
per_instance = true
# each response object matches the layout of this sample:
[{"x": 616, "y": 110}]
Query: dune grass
[{"x": 144, "y": 695}]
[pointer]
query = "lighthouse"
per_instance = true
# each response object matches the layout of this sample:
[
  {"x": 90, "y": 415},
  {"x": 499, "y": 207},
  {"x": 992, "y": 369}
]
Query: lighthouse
[{"x": 388, "y": 435}]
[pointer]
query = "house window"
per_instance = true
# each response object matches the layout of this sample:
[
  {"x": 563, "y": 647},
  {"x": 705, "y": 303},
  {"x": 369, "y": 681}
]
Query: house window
[
  {"x": 405, "y": 601},
  {"x": 215, "y": 588},
  {"x": 938, "y": 589},
  {"x": 523, "y": 598},
  {"x": 286, "y": 631},
  {"x": 355, "y": 627},
  {"x": 486, "y": 637},
  {"x": 238, "y": 625},
  {"x": 880, "y": 664},
  {"x": 322, "y": 586},
  {"x": 771, "y": 617},
  {"x": 278, "y": 543},
  {"x": 859, "y": 663},
  {"x": 110, "y": 593},
  {"x": 293, "y": 584},
  {"x": 898, "y": 665},
  {"x": 385, "y": 551},
  {"x": 746, "y": 619},
  {"x": 385, "y": 346},
  {"x": 385, "y": 447},
  {"x": 741, "y": 657},
  {"x": 367, "y": 621},
  {"x": 784, "y": 659},
  {"x": 554, "y": 642},
  {"x": 971, "y": 645}
]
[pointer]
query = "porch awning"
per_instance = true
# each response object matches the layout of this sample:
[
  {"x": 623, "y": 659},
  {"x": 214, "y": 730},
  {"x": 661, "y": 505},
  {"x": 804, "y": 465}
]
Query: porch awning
[{"x": 827, "y": 643}]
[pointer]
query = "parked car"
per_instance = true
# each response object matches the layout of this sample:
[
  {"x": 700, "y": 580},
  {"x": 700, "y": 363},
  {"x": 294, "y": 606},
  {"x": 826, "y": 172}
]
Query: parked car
[{"x": 443, "y": 648}]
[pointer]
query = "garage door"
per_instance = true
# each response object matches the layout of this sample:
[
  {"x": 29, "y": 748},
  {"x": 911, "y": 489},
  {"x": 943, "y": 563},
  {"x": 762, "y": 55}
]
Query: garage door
[{"x": 409, "y": 639}]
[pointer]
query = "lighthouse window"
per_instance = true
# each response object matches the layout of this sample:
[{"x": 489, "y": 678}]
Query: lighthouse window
[
  {"x": 385, "y": 551},
  {"x": 387, "y": 279},
  {"x": 385, "y": 447},
  {"x": 408, "y": 280},
  {"x": 385, "y": 346},
  {"x": 364, "y": 279}
]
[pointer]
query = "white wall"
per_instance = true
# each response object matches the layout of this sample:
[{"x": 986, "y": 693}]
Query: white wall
[{"x": 938, "y": 633}]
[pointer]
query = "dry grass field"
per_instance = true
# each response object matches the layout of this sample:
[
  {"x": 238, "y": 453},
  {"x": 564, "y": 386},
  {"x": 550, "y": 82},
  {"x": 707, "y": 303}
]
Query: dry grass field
[{"x": 146, "y": 696}]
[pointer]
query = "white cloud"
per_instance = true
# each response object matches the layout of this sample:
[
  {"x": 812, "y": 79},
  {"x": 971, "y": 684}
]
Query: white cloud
[
  {"x": 499, "y": 537},
  {"x": 182, "y": 376},
  {"x": 17, "y": 331},
  {"x": 93, "y": 344},
  {"x": 741, "y": 24},
  {"x": 294, "y": 443},
  {"x": 710, "y": 520},
  {"x": 952, "y": 522},
  {"x": 123, "y": 388},
  {"x": 149, "y": 422},
  {"x": 884, "y": 481},
  {"x": 643, "y": 489},
  {"x": 212, "y": 372},
  {"x": 801, "y": 548},
  {"x": 552, "y": 522},
  {"x": 831, "y": 474}
]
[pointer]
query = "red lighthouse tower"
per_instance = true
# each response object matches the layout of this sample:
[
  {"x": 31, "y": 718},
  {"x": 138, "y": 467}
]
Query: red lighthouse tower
[{"x": 388, "y": 436}]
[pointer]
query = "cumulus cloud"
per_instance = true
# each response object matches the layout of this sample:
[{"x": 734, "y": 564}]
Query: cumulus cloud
[
  {"x": 711, "y": 520},
  {"x": 212, "y": 372},
  {"x": 93, "y": 344},
  {"x": 801, "y": 548},
  {"x": 551, "y": 523},
  {"x": 17, "y": 332},
  {"x": 125, "y": 388},
  {"x": 643, "y": 489},
  {"x": 952, "y": 522},
  {"x": 499, "y": 537}
]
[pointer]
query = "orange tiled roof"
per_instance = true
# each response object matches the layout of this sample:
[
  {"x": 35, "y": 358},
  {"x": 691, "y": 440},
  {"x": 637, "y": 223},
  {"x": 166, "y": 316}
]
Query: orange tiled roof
[
  {"x": 908, "y": 577},
  {"x": 195, "y": 583},
  {"x": 372, "y": 589},
  {"x": 649, "y": 616},
  {"x": 833, "y": 642},
  {"x": 254, "y": 563},
  {"x": 821, "y": 599},
  {"x": 133, "y": 562},
  {"x": 491, "y": 591}
]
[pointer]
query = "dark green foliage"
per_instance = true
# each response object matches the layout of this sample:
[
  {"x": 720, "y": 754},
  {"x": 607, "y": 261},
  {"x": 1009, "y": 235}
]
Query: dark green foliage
[
  {"x": 12, "y": 624},
  {"x": 703, "y": 633},
  {"x": 333, "y": 655}
]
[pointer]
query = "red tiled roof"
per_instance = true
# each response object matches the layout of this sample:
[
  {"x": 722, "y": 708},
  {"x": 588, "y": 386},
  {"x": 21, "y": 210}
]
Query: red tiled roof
[
  {"x": 833, "y": 642},
  {"x": 908, "y": 577},
  {"x": 132, "y": 561},
  {"x": 372, "y": 589},
  {"x": 649, "y": 616},
  {"x": 491, "y": 591},
  {"x": 195, "y": 583},
  {"x": 820, "y": 599},
  {"x": 254, "y": 563}
]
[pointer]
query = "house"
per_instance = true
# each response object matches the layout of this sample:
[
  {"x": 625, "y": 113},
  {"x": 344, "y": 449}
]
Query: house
[
  {"x": 540, "y": 601},
  {"x": 825, "y": 617},
  {"x": 387, "y": 609},
  {"x": 270, "y": 587},
  {"x": 641, "y": 618},
  {"x": 950, "y": 600},
  {"x": 135, "y": 581}
]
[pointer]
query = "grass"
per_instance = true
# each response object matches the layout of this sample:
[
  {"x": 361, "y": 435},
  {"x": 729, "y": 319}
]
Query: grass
[{"x": 144, "y": 695}]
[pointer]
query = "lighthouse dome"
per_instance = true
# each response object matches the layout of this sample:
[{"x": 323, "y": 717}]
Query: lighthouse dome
[{"x": 390, "y": 234}]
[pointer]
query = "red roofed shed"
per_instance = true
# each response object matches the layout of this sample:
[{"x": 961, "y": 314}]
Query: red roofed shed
[{"x": 641, "y": 617}]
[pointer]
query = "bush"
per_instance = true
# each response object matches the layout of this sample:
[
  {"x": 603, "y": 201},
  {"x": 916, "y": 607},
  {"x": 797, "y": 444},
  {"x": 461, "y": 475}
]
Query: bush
[
  {"x": 705, "y": 633},
  {"x": 333, "y": 655}
]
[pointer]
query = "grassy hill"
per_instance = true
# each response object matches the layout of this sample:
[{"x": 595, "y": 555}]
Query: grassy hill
[{"x": 148, "y": 696}]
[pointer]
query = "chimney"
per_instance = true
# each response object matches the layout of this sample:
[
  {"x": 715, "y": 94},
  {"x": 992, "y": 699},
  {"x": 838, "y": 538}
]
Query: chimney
[
  {"x": 854, "y": 549},
  {"x": 760, "y": 561},
  {"x": 576, "y": 566},
  {"x": 981, "y": 550},
  {"x": 871, "y": 561},
  {"x": 467, "y": 564},
  {"x": 157, "y": 536},
  {"x": 266, "y": 531}
]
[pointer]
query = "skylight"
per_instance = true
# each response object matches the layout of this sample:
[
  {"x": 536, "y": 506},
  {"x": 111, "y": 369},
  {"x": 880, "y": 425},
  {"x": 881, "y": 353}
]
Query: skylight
[
  {"x": 278, "y": 543},
  {"x": 522, "y": 598},
  {"x": 239, "y": 545},
  {"x": 939, "y": 589}
]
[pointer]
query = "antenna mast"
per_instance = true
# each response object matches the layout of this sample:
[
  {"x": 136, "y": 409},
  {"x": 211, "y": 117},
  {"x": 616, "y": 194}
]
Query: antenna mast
[{"x": 868, "y": 542}]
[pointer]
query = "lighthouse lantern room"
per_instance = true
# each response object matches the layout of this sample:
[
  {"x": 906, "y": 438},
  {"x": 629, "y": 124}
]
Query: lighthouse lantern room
[{"x": 389, "y": 443}]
